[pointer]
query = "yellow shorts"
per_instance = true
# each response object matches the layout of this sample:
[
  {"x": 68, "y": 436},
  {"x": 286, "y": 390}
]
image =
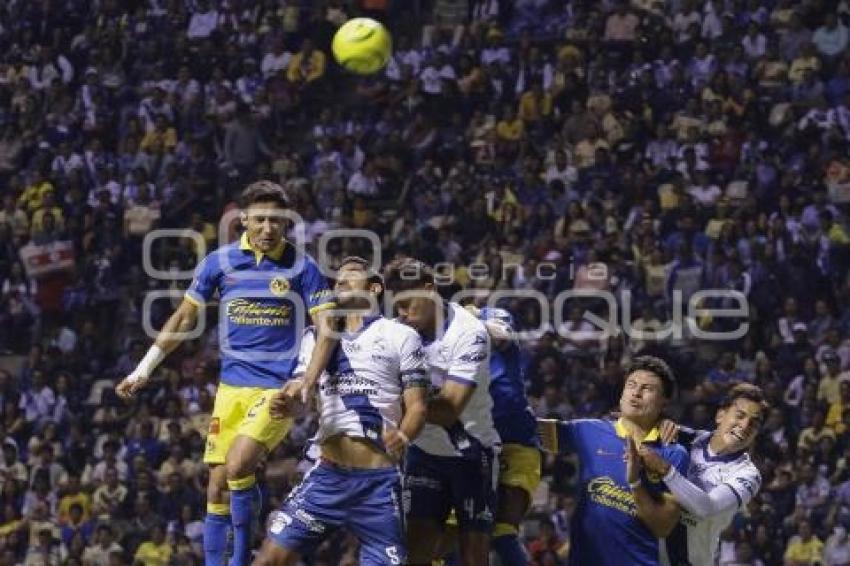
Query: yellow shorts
[
  {"x": 520, "y": 467},
  {"x": 242, "y": 411}
]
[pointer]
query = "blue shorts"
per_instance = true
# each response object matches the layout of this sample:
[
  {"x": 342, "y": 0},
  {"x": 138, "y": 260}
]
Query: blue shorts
[
  {"x": 436, "y": 485},
  {"x": 365, "y": 502}
]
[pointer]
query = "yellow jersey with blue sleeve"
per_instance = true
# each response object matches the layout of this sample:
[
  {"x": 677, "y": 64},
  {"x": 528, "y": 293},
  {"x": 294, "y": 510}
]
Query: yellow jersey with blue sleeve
[
  {"x": 605, "y": 529},
  {"x": 264, "y": 301}
]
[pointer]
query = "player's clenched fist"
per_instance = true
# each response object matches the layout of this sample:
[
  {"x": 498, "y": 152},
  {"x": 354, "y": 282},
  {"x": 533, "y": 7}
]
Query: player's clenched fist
[
  {"x": 395, "y": 441},
  {"x": 287, "y": 400},
  {"x": 653, "y": 462},
  {"x": 130, "y": 385}
]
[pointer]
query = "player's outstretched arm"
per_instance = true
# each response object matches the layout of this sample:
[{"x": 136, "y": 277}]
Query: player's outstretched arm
[
  {"x": 173, "y": 332},
  {"x": 698, "y": 502},
  {"x": 326, "y": 341}
]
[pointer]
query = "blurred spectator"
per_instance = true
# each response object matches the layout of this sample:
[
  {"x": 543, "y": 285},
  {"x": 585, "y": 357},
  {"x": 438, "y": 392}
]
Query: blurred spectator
[{"x": 804, "y": 548}]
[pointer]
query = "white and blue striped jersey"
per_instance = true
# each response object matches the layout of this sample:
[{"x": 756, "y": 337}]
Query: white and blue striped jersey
[
  {"x": 732, "y": 481},
  {"x": 360, "y": 393},
  {"x": 461, "y": 354}
]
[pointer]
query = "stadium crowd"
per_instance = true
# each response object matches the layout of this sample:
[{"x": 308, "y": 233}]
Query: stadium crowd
[{"x": 528, "y": 145}]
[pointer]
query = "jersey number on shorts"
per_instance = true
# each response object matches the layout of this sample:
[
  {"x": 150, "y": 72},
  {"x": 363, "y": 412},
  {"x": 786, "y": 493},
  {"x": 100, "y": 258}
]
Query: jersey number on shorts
[{"x": 392, "y": 552}]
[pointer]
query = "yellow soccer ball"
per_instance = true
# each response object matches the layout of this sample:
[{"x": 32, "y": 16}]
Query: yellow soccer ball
[{"x": 362, "y": 46}]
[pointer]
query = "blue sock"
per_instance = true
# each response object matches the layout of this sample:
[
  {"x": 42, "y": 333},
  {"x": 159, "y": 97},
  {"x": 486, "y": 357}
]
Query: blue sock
[
  {"x": 242, "y": 504},
  {"x": 215, "y": 538},
  {"x": 509, "y": 550}
]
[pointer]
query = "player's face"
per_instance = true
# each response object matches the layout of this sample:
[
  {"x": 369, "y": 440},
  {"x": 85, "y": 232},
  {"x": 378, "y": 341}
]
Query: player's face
[
  {"x": 643, "y": 397},
  {"x": 418, "y": 312},
  {"x": 351, "y": 286},
  {"x": 264, "y": 222},
  {"x": 738, "y": 425}
]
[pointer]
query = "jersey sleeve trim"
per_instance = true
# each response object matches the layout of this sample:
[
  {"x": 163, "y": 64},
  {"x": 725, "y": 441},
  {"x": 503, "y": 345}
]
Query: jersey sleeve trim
[
  {"x": 415, "y": 378},
  {"x": 322, "y": 307},
  {"x": 194, "y": 298},
  {"x": 462, "y": 380},
  {"x": 737, "y": 495}
]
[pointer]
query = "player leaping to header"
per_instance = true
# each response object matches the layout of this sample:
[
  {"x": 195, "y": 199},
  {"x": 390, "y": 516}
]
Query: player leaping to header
[
  {"x": 720, "y": 480},
  {"x": 264, "y": 288},
  {"x": 452, "y": 465},
  {"x": 377, "y": 370}
]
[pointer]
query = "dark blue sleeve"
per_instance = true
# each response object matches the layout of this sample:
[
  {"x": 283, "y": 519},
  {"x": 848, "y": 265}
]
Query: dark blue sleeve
[
  {"x": 315, "y": 291},
  {"x": 205, "y": 281},
  {"x": 687, "y": 436},
  {"x": 678, "y": 457}
]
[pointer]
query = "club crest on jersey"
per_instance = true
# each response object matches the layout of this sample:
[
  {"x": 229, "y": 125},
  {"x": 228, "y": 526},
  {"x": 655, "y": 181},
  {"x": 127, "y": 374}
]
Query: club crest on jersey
[
  {"x": 215, "y": 425},
  {"x": 279, "y": 286}
]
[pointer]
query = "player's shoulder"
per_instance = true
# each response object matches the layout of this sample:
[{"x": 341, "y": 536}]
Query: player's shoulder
[
  {"x": 395, "y": 329},
  {"x": 466, "y": 327},
  {"x": 219, "y": 257},
  {"x": 744, "y": 466},
  {"x": 593, "y": 426},
  {"x": 309, "y": 265}
]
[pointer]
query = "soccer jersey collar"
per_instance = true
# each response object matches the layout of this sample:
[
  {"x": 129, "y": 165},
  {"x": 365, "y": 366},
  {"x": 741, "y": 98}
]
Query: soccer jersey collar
[
  {"x": 276, "y": 253},
  {"x": 623, "y": 431},
  {"x": 710, "y": 456},
  {"x": 367, "y": 322}
]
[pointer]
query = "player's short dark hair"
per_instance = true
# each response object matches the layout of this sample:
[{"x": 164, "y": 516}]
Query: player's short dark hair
[
  {"x": 749, "y": 392},
  {"x": 655, "y": 366},
  {"x": 407, "y": 274},
  {"x": 264, "y": 191},
  {"x": 371, "y": 275}
]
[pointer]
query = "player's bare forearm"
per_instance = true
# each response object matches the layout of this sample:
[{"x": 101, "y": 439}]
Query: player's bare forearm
[
  {"x": 660, "y": 516},
  {"x": 177, "y": 327},
  {"x": 327, "y": 339},
  {"x": 446, "y": 407},
  {"x": 174, "y": 331},
  {"x": 415, "y": 412}
]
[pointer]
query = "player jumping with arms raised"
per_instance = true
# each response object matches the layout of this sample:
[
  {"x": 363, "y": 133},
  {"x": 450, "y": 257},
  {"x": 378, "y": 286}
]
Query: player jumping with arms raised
[{"x": 265, "y": 288}]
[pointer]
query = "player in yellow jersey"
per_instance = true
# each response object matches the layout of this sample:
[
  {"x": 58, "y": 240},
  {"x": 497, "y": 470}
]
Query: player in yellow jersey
[{"x": 265, "y": 288}]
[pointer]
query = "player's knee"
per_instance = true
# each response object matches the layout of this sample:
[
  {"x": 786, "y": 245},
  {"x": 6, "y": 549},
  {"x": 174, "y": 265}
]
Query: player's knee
[
  {"x": 242, "y": 458},
  {"x": 239, "y": 468}
]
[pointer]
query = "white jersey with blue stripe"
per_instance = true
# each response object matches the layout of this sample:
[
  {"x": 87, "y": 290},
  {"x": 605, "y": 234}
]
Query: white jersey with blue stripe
[
  {"x": 461, "y": 354},
  {"x": 697, "y": 541},
  {"x": 360, "y": 394}
]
